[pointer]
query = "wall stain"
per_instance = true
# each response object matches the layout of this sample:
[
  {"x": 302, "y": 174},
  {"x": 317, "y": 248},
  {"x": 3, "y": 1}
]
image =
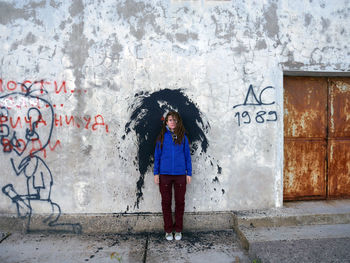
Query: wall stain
[
  {"x": 77, "y": 48},
  {"x": 224, "y": 22},
  {"x": 307, "y": 19},
  {"x": 28, "y": 40},
  {"x": 76, "y": 8},
  {"x": 181, "y": 37},
  {"x": 271, "y": 21},
  {"x": 261, "y": 44},
  {"x": 87, "y": 149},
  {"x": 325, "y": 24},
  {"x": 139, "y": 15},
  {"x": 10, "y": 13}
]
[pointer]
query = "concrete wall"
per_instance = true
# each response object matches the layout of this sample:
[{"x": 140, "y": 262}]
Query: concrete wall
[{"x": 103, "y": 73}]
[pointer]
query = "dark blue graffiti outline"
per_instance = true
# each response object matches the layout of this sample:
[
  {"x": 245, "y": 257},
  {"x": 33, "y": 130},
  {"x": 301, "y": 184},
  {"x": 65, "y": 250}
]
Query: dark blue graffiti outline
[
  {"x": 39, "y": 177},
  {"x": 258, "y": 102}
]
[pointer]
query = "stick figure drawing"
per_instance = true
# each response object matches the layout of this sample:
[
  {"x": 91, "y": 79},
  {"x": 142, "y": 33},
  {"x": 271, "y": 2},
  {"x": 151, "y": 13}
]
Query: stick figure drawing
[{"x": 21, "y": 144}]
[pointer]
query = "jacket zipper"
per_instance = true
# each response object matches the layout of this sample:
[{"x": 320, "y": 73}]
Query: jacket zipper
[{"x": 172, "y": 157}]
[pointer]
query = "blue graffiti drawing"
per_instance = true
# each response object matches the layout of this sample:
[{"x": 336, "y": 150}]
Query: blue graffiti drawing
[
  {"x": 262, "y": 116},
  {"x": 254, "y": 100},
  {"x": 15, "y": 140}
]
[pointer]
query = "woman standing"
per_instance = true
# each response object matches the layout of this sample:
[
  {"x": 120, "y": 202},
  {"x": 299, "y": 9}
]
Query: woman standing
[{"x": 172, "y": 166}]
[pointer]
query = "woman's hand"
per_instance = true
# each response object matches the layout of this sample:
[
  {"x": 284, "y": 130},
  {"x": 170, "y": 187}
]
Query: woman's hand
[
  {"x": 188, "y": 179},
  {"x": 156, "y": 179}
]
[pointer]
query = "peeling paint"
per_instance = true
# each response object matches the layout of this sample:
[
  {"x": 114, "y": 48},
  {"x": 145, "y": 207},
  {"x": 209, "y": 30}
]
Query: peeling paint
[
  {"x": 185, "y": 37},
  {"x": 139, "y": 15},
  {"x": 316, "y": 56},
  {"x": 28, "y": 40},
  {"x": 325, "y": 24},
  {"x": 271, "y": 26},
  {"x": 116, "y": 49},
  {"x": 78, "y": 50},
  {"x": 261, "y": 44},
  {"x": 55, "y": 4},
  {"x": 240, "y": 49},
  {"x": 307, "y": 19},
  {"x": 35, "y": 5},
  {"x": 224, "y": 23},
  {"x": 9, "y": 13},
  {"x": 76, "y": 8}
]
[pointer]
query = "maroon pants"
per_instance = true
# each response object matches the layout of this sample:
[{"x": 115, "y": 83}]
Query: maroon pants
[{"x": 166, "y": 186}]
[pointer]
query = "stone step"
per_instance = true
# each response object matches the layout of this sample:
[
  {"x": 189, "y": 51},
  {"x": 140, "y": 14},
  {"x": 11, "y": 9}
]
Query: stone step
[
  {"x": 300, "y": 220},
  {"x": 263, "y": 234},
  {"x": 297, "y": 214},
  {"x": 116, "y": 223},
  {"x": 302, "y": 224},
  {"x": 309, "y": 243},
  {"x": 322, "y": 250}
]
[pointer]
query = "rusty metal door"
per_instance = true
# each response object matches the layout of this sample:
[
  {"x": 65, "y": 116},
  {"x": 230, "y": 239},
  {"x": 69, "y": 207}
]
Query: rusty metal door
[
  {"x": 305, "y": 135},
  {"x": 316, "y": 138},
  {"x": 339, "y": 138}
]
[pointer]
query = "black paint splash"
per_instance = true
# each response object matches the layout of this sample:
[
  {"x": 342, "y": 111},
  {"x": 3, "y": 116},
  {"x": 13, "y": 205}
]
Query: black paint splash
[
  {"x": 216, "y": 179},
  {"x": 145, "y": 119}
]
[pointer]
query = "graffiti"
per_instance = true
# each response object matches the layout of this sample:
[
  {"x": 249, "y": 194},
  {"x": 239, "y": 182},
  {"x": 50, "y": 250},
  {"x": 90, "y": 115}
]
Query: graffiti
[
  {"x": 252, "y": 100},
  {"x": 86, "y": 122},
  {"x": 27, "y": 166},
  {"x": 260, "y": 117},
  {"x": 34, "y": 145},
  {"x": 42, "y": 85},
  {"x": 251, "y": 115},
  {"x": 146, "y": 120},
  {"x": 81, "y": 122}
]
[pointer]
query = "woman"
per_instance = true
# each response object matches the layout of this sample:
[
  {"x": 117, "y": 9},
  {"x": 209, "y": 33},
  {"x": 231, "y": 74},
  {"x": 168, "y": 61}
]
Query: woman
[{"x": 172, "y": 166}]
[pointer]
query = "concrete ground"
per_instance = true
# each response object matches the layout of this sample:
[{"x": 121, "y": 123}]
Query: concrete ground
[
  {"x": 310, "y": 232},
  {"x": 213, "y": 246}
]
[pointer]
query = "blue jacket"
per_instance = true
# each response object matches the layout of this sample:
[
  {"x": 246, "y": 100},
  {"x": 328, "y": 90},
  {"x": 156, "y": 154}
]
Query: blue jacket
[{"x": 173, "y": 159}]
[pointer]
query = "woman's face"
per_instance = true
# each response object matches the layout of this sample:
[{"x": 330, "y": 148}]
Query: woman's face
[{"x": 171, "y": 122}]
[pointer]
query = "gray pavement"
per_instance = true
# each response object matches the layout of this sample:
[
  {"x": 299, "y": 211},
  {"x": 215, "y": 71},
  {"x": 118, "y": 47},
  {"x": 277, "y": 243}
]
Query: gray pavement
[
  {"x": 213, "y": 246},
  {"x": 295, "y": 244},
  {"x": 336, "y": 250},
  {"x": 299, "y": 232}
]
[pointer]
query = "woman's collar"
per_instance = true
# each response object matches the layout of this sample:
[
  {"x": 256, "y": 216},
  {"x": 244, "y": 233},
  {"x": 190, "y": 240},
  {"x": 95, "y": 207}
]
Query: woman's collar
[{"x": 167, "y": 127}]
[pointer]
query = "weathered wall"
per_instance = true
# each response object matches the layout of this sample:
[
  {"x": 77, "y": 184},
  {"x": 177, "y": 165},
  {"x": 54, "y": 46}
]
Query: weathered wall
[{"x": 111, "y": 69}]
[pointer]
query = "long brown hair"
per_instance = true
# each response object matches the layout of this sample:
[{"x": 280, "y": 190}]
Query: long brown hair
[{"x": 179, "y": 129}]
